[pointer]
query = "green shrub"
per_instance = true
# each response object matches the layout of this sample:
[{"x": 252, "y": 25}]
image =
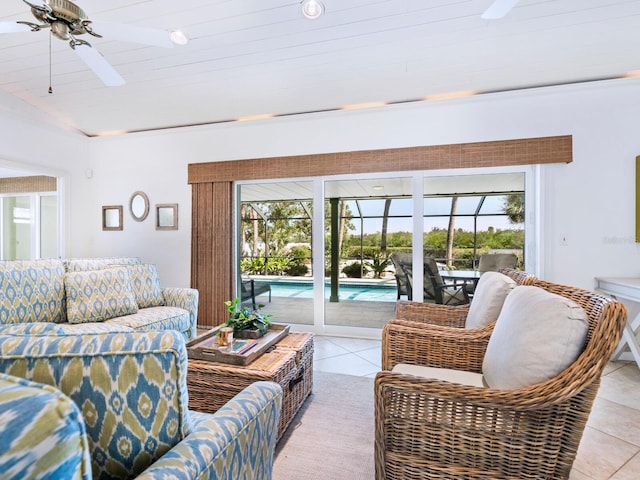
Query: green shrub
[
  {"x": 252, "y": 265},
  {"x": 297, "y": 269},
  {"x": 353, "y": 270}
]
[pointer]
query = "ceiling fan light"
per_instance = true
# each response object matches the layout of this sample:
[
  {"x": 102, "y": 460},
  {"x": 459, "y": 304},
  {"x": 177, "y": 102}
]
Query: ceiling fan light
[
  {"x": 312, "y": 9},
  {"x": 178, "y": 37},
  {"x": 60, "y": 30}
]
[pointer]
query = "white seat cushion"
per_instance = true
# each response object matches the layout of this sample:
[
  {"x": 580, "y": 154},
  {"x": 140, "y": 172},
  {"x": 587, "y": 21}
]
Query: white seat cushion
[
  {"x": 446, "y": 374},
  {"x": 538, "y": 334},
  {"x": 489, "y": 296}
]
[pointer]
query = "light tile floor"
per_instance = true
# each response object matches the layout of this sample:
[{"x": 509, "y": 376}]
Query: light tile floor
[{"x": 610, "y": 447}]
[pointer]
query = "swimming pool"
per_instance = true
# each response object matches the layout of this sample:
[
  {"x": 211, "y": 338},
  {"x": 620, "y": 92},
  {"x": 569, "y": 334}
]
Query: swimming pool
[{"x": 371, "y": 293}]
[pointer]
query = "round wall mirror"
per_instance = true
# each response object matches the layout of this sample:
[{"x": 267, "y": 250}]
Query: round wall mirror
[{"x": 139, "y": 206}]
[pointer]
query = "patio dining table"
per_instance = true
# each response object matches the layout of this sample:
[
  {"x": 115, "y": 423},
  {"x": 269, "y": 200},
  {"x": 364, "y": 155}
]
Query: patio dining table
[{"x": 469, "y": 277}]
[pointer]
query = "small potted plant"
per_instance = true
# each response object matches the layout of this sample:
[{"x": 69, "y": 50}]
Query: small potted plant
[{"x": 246, "y": 322}]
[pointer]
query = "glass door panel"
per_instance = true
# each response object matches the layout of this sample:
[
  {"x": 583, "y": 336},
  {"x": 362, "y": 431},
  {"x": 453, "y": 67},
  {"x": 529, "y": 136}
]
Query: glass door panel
[
  {"x": 274, "y": 249},
  {"x": 366, "y": 221},
  {"x": 466, "y": 216},
  {"x": 16, "y": 228}
]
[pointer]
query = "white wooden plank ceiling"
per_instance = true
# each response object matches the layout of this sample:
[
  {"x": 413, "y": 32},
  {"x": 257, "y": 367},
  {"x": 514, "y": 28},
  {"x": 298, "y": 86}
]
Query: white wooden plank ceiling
[{"x": 262, "y": 57}]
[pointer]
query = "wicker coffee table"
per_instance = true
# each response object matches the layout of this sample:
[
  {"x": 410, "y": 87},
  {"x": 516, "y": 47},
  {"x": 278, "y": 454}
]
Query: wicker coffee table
[{"x": 290, "y": 364}]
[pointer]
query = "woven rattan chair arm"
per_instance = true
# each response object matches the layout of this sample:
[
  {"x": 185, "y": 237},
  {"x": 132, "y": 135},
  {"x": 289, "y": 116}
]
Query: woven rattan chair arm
[
  {"x": 521, "y": 278},
  {"x": 547, "y": 395},
  {"x": 434, "y": 346},
  {"x": 432, "y": 314}
]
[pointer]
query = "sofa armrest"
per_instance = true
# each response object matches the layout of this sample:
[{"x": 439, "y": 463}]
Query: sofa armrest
[
  {"x": 43, "y": 434},
  {"x": 235, "y": 443},
  {"x": 130, "y": 387},
  {"x": 186, "y": 298}
]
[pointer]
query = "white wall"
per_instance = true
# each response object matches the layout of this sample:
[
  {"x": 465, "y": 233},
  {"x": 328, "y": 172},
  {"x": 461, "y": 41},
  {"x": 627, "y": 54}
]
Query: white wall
[
  {"x": 590, "y": 201},
  {"x": 29, "y": 143}
]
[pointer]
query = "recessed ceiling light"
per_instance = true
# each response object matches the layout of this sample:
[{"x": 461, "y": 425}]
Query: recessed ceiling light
[
  {"x": 312, "y": 9},
  {"x": 178, "y": 37}
]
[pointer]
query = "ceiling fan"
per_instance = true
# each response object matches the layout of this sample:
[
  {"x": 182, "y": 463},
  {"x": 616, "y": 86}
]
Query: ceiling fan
[
  {"x": 498, "y": 9},
  {"x": 67, "y": 21}
]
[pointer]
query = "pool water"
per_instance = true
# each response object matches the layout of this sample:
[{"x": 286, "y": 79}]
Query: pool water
[{"x": 346, "y": 292}]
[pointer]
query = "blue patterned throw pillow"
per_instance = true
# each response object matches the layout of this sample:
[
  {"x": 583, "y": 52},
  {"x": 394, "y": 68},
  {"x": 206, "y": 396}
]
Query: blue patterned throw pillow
[
  {"x": 146, "y": 285},
  {"x": 97, "y": 295}
]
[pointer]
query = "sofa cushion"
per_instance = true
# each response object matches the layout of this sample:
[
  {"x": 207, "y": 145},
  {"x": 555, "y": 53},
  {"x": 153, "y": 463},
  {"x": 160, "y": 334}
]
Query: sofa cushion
[
  {"x": 35, "y": 328},
  {"x": 146, "y": 285},
  {"x": 489, "y": 296},
  {"x": 97, "y": 295},
  {"x": 538, "y": 334},
  {"x": 156, "y": 318},
  {"x": 32, "y": 291},
  {"x": 461, "y": 377},
  {"x": 92, "y": 328},
  {"x": 85, "y": 264}
]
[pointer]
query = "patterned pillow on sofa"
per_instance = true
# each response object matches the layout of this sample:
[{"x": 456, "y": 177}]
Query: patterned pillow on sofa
[
  {"x": 146, "y": 285},
  {"x": 97, "y": 295},
  {"x": 32, "y": 291}
]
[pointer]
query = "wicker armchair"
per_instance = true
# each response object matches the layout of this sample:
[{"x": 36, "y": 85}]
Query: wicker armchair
[
  {"x": 520, "y": 277},
  {"x": 434, "y": 429}
]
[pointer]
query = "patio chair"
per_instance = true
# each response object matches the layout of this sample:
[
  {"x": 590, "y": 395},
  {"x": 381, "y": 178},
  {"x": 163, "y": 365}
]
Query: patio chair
[
  {"x": 249, "y": 289},
  {"x": 436, "y": 417},
  {"x": 444, "y": 293},
  {"x": 400, "y": 260},
  {"x": 481, "y": 314},
  {"x": 493, "y": 262}
]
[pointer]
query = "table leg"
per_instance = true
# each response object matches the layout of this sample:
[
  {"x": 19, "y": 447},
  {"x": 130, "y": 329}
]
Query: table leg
[{"x": 629, "y": 334}]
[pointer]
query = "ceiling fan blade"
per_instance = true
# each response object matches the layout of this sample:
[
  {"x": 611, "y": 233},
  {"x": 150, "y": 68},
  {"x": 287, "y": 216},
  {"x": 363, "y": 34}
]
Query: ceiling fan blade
[
  {"x": 499, "y": 9},
  {"x": 131, "y": 33},
  {"x": 10, "y": 27},
  {"x": 96, "y": 62}
]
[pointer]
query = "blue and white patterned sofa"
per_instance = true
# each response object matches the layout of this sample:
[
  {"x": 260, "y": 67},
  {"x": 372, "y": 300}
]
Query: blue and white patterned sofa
[
  {"x": 131, "y": 391},
  {"x": 94, "y": 295},
  {"x": 42, "y": 433}
]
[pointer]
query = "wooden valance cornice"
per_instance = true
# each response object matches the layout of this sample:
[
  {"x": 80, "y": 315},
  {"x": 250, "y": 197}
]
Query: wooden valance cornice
[{"x": 499, "y": 153}]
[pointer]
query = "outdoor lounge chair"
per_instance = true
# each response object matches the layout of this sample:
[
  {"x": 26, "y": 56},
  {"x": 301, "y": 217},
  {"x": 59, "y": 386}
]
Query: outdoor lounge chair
[{"x": 249, "y": 289}]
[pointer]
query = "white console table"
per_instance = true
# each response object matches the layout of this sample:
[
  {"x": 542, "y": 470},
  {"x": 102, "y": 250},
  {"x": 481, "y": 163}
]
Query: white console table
[{"x": 627, "y": 290}]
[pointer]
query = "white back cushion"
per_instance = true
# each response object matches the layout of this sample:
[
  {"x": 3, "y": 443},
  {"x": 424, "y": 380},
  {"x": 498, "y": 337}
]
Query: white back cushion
[
  {"x": 491, "y": 291},
  {"x": 538, "y": 334}
]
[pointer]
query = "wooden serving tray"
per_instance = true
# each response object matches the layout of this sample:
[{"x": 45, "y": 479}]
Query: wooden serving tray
[{"x": 206, "y": 346}]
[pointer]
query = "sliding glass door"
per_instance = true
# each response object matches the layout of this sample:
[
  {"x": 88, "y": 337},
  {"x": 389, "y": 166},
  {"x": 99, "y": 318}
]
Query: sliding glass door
[
  {"x": 367, "y": 221},
  {"x": 332, "y": 249},
  {"x": 275, "y": 249}
]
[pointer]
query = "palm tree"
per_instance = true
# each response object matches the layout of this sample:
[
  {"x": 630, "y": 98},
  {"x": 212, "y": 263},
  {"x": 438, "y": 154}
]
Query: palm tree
[{"x": 514, "y": 207}]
